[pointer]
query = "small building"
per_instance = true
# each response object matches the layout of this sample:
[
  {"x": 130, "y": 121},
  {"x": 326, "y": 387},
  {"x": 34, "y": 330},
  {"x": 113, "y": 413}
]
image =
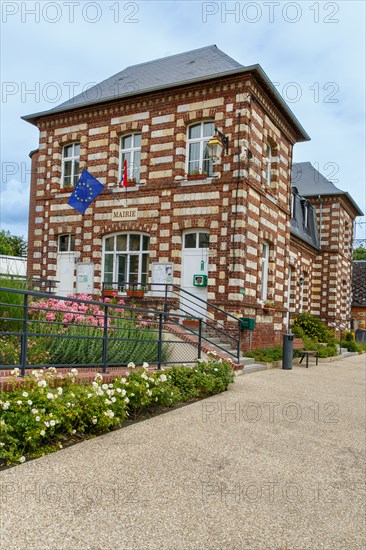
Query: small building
[
  {"x": 235, "y": 223},
  {"x": 359, "y": 295}
]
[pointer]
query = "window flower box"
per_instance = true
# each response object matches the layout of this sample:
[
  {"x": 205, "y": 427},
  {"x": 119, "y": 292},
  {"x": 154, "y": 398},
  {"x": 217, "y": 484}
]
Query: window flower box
[
  {"x": 191, "y": 322},
  {"x": 135, "y": 293},
  {"x": 196, "y": 176},
  {"x": 66, "y": 189}
]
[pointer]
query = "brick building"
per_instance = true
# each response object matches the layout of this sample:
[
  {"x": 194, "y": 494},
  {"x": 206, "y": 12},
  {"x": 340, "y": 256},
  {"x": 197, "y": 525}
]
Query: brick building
[{"x": 235, "y": 220}]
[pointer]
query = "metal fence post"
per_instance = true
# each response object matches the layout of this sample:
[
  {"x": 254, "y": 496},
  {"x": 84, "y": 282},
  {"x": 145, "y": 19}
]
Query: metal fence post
[
  {"x": 200, "y": 339},
  {"x": 24, "y": 337},
  {"x": 238, "y": 351},
  {"x": 105, "y": 339},
  {"x": 160, "y": 341},
  {"x": 166, "y": 299}
]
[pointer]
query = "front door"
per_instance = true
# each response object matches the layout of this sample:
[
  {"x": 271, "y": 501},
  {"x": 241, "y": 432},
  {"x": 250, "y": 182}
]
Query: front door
[
  {"x": 65, "y": 272},
  {"x": 195, "y": 255}
]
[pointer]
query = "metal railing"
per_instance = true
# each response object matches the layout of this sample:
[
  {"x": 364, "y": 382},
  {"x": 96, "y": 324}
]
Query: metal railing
[
  {"x": 88, "y": 333},
  {"x": 32, "y": 283},
  {"x": 219, "y": 327}
]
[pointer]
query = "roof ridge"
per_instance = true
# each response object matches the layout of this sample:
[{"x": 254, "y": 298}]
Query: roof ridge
[{"x": 174, "y": 55}]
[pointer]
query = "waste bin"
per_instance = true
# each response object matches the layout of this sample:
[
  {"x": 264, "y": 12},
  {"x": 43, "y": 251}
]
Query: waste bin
[{"x": 288, "y": 350}]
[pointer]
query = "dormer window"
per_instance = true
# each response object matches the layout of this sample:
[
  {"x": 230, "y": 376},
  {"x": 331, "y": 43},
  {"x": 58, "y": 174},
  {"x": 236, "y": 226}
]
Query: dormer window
[
  {"x": 70, "y": 165},
  {"x": 198, "y": 161},
  {"x": 293, "y": 200}
]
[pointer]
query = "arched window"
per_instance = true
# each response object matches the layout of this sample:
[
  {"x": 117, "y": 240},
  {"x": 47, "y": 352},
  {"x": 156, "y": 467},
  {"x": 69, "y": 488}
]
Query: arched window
[
  {"x": 130, "y": 152},
  {"x": 126, "y": 259},
  {"x": 70, "y": 164},
  {"x": 197, "y": 155}
]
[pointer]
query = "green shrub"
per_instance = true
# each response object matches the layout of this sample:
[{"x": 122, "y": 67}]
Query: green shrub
[
  {"x": 313, "y": 327},
  {"x": 39, "y": 417},
  {"x": 37, "y": 353},
  {"x": 266, "y": 355}
]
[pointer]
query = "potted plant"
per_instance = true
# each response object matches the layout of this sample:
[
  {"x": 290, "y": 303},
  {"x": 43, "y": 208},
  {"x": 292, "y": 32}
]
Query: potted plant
[
  {"x": 196, "y": 175},
  {"x": 131, "y": 182},
  {"x": 135, "y": 292},
  {"x": 269, "y": 304}
]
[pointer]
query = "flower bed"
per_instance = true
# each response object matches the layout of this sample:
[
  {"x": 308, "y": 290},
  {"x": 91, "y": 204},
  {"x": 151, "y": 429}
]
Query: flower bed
[{"x": 48, "y": 411}]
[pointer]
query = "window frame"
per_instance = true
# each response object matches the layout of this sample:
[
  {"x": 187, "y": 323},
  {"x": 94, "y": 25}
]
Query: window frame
[
  {"x": 202, "y": 140},
  {"x": 70, "y": 243},
  {"x": 132, "y": 151},
  {"x": 264, "y": 270},
  {"x": 269, "y": 156},
  {"x": 142, "y": 276},
  {"x": 71, "y": 159}
]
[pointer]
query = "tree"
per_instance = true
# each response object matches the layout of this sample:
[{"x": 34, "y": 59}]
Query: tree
[
  {"x": 12, "y": 245},
  {"x": 359, "y": 253}
]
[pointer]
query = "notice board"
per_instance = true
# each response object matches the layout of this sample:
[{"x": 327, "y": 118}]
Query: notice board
[{"x": 85, "y": 278}]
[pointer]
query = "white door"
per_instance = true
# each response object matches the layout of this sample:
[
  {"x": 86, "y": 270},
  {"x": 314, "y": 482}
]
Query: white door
[
  {"x": 195, "y": 253},
  {"x": 65, "y": 274}
]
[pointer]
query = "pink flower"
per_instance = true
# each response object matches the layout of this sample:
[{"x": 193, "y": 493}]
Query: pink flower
[{"x": 50, "y": 316}]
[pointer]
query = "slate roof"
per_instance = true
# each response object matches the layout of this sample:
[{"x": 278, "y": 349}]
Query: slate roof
[
  {"x": 311, "y": 183},
  {"x": 184, "y": 68},
  {"x": 359, "y": 283}
]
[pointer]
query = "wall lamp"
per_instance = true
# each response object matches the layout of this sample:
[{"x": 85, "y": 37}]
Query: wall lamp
[{"x": 217, "y": 144}]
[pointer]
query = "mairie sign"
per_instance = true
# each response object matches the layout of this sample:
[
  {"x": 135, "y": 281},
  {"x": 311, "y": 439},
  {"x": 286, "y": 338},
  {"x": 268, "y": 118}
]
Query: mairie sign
[{"x": 124, "y": 214}]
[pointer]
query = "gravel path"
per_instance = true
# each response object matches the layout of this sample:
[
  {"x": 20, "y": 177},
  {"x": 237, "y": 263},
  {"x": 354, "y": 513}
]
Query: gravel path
[{"x": 277, "y": 462}]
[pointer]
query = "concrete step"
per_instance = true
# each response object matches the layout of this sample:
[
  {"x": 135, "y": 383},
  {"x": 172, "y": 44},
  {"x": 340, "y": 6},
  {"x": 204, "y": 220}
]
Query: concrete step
[{"x": 253, "y": 367}]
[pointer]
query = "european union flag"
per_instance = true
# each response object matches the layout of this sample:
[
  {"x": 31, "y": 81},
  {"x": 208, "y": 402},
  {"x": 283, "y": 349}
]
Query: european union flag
[{"x": 86, "y": 190}]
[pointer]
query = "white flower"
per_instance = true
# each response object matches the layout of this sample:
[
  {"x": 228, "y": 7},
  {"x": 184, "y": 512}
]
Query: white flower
[
  {"x": 42, "y": 383},
  {"x": 60, "y": 390},
  {"x": 149, "y": 393},
  {"x": 113, "y": 399},
  {"x": 52, "y": 423},
  {"x": 163, "y": 378},
  {"x": 109, "y": 413},
  {"x": 145, "y": 365},
  {"x": 147, "y": 385},
  {"x": 38, "y": 418},
  {"x": 15, "y": 372},
  {"x": 30, "y": 402},
  {"x": 132, "y": 395},
  {"x": 127, "y": 400},
  {"x": 42, "y": 432},
  {"x": 131, "y": 365},
  {"x": 60, "y": 446},
  {"x": 25, "y": 394},
  {"x": 107, "y": 401},
  {"x": 47, "y": 424},
  {"x": 123, "y": 380},
  {"x": 22, "y": 459},
  {"x": 2, "y": 444},
  {"x": 90, "y": 395},
  {"x": 19, "y": 402},
  {"x": 100, "y": 392},
  {"x": 111, "y": 385},
  {"x": 123, "y": 393},
  {"x": 216, "y": 370},
  {"x": 74, "y": 372},
  {"x": 104, "y": 386},
  {"x": 95, "y": 420},
  {"x": 6, "y": 405},
  {"x": 68, "y": 404},
  {"x": 50, "y": 396},
  {"x": 119, "y": 390},
  {"x": 2, "y": 422},
  {"x": 74, "y": 431},
  {"x": 52, "y": 369}
]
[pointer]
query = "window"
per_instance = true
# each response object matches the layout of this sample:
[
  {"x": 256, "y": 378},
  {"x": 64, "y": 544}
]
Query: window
[
  {"x": 268, "y": 164},
  {"x": 66, "y": 243},
  {"x": 70, "y": 164},
  {"x": 131, "y": 153},
  {"x": 265, "y": 259},
  {"x": 306, "y": 207},
  {"x": 126, "y": 259},
  {"x": 197, "y": 155},
  {"x": 196, "y": 240}
]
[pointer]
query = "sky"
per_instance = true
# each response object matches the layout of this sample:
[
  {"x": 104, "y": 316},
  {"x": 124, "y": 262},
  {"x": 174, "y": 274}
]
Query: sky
[{"x": 314, "y": 53}]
